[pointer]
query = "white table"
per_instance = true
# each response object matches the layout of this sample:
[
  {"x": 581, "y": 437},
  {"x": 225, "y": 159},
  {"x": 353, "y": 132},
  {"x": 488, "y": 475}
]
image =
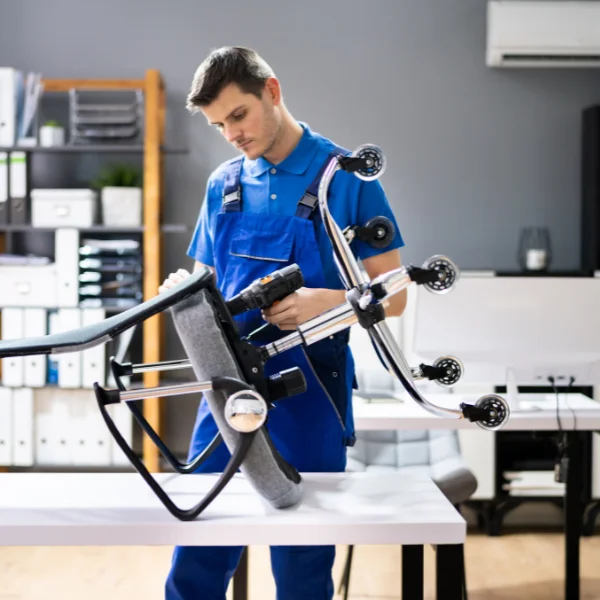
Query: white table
[
  {"x": 50, "y": 509},
  {"x": 537, "y": 412}
]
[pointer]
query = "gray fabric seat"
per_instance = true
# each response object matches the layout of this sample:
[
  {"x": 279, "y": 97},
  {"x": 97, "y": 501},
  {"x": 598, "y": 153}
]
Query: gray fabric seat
[{"x": 197, "y": 324}]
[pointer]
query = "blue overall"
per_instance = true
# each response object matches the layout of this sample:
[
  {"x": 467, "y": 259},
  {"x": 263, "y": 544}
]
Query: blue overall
[{"x": 311, "y": 430}]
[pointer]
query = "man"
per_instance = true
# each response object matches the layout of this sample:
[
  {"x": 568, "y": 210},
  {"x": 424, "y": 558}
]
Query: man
[{"x": 252, "y": 222}]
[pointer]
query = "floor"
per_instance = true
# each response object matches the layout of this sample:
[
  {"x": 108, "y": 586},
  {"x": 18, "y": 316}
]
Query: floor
[{"x": 514, "y": 566}]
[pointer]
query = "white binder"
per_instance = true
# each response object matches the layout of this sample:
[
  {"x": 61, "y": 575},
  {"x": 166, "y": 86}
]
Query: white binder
[
  {"x": 93, "y": 359},
  {"x": 66, "y": 258},
  {"x": 23, "y": 427},
  {"x": 18, "y": 174},
  {"x": 8, "y": 106},
  {"x": 53, "y": 325},
  {"x": 54, "y": 431},
  {"x": 3, "y": 187},
  {"x": 35, "y": 365},
  {"x": 123, "y": 419},
  {"x": 6, "y": 426},
  {"x": 43, "y": 426},
  {"x": 93, "y": 440},
  {"x": 47, "y": 430},
  {"x": 12, "y": 328},
  {"x": 69, "y": 364}
]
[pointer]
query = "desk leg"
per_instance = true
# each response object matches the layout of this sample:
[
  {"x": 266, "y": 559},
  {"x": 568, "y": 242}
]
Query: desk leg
[
  {"x": 448, "y": 572},
  {"x": 240, "y": 578},
  {"x": 573, "y": 513},
  {"x": 412, "y": 573}
]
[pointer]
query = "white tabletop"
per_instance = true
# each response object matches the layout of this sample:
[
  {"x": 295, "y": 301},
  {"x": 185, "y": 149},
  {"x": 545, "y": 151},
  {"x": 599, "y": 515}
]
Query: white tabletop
[
  {"x": 53, "y": 509},
  {"x": 536, "y": 412}
]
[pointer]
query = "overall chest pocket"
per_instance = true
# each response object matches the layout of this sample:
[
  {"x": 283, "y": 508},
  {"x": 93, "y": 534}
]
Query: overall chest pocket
[
  {"x": 269, "y": 246},
  {"x": 252, "y": 255}
]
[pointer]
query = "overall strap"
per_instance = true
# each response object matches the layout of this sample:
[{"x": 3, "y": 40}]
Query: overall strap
[
  {"x": 309, "y": 202},
  {"x": 232, "y": 190}
]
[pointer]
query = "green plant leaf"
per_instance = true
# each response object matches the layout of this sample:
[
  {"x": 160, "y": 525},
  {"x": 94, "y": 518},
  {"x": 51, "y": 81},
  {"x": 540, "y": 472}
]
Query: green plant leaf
[{"x": 118, "y": 175}]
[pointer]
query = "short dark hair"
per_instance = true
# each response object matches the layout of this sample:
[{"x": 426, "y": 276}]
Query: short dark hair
[{"x": 229, "y": 64}]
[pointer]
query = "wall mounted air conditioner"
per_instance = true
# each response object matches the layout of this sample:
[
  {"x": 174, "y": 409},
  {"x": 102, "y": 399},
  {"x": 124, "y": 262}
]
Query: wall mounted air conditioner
[{"x": 543, "y": 34}]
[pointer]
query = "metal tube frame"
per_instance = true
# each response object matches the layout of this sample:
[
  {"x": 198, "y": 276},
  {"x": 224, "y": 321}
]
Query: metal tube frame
[
  {"x": 235, "y": 461},
  {"x": 180, "y": 467},
  {"x": 380, "y": 333}
]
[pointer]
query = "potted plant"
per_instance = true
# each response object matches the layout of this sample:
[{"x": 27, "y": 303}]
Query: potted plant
[
  {"x": 120, "y": 195},
  {"x": 52, "y": 134}
]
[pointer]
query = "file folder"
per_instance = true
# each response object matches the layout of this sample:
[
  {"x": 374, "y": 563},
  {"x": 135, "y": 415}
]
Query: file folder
[
  {"x": 34, "y": 366},
  {"x": 123, "y": 419},
  {"x": 66, "y": 247},
  {"x": 4, "y": 217},
  {"x": 19, "y": 209},
  {"x": 93, "y": 440},
  {"x": 6, "y": 426},
  {"x": 69, "y": 364},
  {"x": 93, "y": 359},
  {"x": 8, "y": 106},
  {"x": 23, "y": 427},
  {"x": 52, "y": 359},
  {"x": 13, "y": 366}
]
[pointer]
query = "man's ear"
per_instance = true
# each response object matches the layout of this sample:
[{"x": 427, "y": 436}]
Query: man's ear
[{"x": 273, "y": 90}]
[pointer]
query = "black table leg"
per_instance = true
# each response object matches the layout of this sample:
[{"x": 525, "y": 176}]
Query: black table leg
[
  {"x": 412, "y": 573},
  {"x": 240, "y": 578},
  {"x": 573, "y": 513},
  {"x": 448, "y": 563}
]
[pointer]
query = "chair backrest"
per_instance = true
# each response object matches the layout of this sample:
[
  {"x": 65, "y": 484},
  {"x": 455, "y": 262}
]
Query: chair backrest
[
  {"x": 435, "y": 452},
  {"x": 396, "y": 449}
]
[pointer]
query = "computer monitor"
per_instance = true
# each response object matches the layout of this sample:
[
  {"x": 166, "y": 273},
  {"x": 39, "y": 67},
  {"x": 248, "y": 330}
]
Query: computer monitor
[{"x": 534, "y": 326}]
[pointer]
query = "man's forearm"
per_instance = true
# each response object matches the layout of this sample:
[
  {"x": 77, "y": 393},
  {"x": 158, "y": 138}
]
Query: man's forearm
[{"x": 395, "y": 305}]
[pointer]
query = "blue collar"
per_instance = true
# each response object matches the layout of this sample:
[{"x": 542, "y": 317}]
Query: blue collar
[{"x": 295, "y": 163}]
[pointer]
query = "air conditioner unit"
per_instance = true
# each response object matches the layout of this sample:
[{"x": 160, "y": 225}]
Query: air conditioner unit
[{"x": 543, "y": 34}]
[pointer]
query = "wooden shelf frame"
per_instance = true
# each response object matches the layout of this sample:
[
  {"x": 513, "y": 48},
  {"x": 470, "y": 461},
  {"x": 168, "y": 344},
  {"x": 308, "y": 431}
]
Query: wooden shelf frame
[{"x": 153, "y": 181}]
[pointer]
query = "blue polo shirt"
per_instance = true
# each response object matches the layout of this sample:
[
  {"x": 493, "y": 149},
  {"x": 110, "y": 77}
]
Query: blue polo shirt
[{"x": 271, "y": 189}]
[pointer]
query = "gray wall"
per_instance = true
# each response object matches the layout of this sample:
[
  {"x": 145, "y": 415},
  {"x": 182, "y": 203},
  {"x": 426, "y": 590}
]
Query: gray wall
[{"x": 474, "y": 154}]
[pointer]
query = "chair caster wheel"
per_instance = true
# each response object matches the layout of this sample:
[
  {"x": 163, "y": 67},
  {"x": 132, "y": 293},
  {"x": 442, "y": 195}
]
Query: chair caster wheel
[
  {"x": 498, "y": 411},
  {"x": 375, "y": 162},
  {"x": 454, "y": 370},
  {"x": 449, "y": 274}
]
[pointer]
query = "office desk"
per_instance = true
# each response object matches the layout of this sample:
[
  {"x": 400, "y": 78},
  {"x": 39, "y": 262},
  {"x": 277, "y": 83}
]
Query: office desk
[
  {"x": 537, "y": 412},
  {"x": 49, "y": 509}
]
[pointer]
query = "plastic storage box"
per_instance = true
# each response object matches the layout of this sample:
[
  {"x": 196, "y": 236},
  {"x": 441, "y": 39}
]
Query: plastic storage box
[{"x": 64, "y": 207}]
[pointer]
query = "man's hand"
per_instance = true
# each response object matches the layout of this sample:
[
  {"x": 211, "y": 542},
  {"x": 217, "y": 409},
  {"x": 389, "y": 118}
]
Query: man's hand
[
  {"x": 302, "y": 305},
  {"x": 173, "y": 280}
]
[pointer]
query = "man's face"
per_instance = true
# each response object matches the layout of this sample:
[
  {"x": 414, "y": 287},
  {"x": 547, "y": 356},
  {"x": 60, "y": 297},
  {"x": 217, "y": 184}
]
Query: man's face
[{"x": 249, "y": 123}]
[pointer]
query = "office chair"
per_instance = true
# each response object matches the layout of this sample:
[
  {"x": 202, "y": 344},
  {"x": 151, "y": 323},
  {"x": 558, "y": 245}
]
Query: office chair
[{"x": 433, "y": 452}]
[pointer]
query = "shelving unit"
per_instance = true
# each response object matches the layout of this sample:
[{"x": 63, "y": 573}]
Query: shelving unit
[
  {"x": 152, "y": 151},
  {"x": 165, "y": 228},
  {"x": 90, "y": 148}
]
